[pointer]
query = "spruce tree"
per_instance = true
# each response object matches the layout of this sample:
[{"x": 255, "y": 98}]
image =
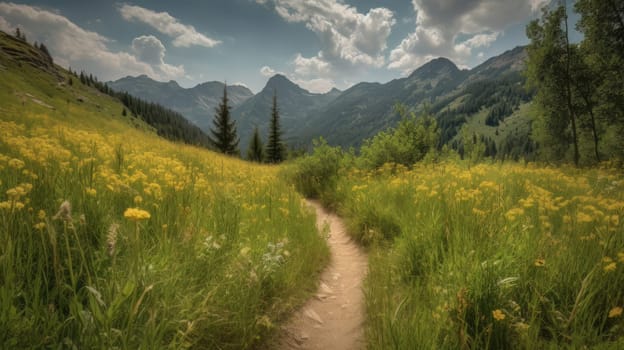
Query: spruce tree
[
  {"x": 224, "y": 137},
  {"x": 275, "y": 148},
  {"x": 255, "y": 152}
]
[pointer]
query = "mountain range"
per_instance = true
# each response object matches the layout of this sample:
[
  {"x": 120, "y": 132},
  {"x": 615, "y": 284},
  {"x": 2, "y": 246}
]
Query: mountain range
[
  {"x": 486, "y": 94},
  {"x": 197, "y": 104}
]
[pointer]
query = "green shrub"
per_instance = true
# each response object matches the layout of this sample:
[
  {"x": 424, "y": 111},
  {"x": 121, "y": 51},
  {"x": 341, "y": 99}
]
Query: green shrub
[
  {"x": 412, "y": 139},
  {"x": 316, "y": 175}
]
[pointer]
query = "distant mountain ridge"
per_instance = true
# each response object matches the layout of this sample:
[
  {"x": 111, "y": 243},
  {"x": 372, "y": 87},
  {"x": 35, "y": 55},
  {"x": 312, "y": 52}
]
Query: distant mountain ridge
[
  {"x": 348, "y": 117},
  {"x": 367, "y": 108},
  {"x": 294, "y": 105},
  {"x": 197, "y": 104}
]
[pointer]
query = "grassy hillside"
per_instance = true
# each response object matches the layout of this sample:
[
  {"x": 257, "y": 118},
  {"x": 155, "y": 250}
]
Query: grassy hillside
[{"x": 115, "y": 238}]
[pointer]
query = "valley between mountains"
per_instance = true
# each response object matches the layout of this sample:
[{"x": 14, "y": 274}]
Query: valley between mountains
[{"x": 345, "y": 118}]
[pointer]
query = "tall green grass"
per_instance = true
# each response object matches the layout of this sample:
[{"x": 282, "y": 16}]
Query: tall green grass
[
  {"x": 493, "y": 256},
  {"x": 113, "y": 238}
]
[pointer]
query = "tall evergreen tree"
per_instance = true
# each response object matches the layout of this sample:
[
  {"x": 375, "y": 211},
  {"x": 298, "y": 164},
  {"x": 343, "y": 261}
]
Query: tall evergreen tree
[
  {"x": 224, "y": 137},
  {"x": 255, "y": 152},
  {"x": 275, "y": 148}
]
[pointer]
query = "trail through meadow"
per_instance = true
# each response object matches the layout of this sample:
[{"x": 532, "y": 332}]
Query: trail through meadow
[{"x": 334, "y": 317}]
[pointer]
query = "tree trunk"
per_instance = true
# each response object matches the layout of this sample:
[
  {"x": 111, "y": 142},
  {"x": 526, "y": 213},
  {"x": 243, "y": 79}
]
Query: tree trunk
[{"x": 568, "y": 79}]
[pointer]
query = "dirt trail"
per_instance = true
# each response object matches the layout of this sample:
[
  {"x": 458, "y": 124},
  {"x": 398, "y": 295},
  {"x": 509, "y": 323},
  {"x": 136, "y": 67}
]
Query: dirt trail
[{"x": 334, "y": 317}]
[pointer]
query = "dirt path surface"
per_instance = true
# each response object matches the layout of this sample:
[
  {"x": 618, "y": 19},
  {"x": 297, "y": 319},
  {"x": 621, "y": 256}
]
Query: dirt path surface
[{"x": 334, "y": 317}]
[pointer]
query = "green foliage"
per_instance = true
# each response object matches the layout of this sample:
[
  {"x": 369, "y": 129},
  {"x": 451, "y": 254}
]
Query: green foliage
[
  {"x": 548, "y": 72},
  {"x": 224, "y": 137},
  {"x": 255, "y": 151},
  {"x": 316, "y": 175},
  {"x": 579, "y": 99},
  {"x": 406, "y": 144},
  {"x": 473, "y": 147},
  {"x": 602, "y": 49}
]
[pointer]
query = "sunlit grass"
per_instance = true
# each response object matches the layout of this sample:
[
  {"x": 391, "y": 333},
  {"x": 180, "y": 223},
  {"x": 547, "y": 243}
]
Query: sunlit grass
[
  {"x": 114, "y": 238},
  {"x": 492, "y": 256}
]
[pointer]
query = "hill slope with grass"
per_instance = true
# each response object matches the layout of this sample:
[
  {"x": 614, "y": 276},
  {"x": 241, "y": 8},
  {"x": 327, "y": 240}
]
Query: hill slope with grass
[{"x": 116, "y": 238}]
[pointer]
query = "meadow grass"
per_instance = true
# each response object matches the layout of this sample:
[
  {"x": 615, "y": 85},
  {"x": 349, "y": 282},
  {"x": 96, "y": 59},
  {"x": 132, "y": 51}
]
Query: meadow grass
[
  {"x": 494, "y": 256},
  {"x": 114, "y": 238}
]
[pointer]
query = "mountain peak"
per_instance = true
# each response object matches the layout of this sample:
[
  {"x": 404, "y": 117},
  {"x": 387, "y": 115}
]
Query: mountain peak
[
  {"x": 434, "y": 68},
  {"x": 280, "y": 82}
]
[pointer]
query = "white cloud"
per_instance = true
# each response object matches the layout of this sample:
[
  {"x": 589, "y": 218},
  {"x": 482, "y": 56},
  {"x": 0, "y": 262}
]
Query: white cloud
[
  {"x": 149, "y": 49},
  {"x": 267, "y": 71},
  {"x": 74, "y": 46},
  {"x": 439, "y": 24},
  {"x": 346, "y": 35},
  {"x": 350, "y": 40},
  {"x": 184, "y": 35},
  {"x": 318, "y": 85},
  {"x": 313, "y": 66},
  {"x": 240, "y": 83},
  {"x": 482, "y": 40}
]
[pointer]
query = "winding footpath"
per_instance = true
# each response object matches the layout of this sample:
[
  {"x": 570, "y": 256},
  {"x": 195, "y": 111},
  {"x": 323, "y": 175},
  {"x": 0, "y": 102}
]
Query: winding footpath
[{"x": 334, "y": 317}]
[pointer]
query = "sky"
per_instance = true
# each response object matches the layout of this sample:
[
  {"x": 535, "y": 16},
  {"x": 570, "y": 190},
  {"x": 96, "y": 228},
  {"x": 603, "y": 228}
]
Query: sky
[{"x": 318, "y": 44}]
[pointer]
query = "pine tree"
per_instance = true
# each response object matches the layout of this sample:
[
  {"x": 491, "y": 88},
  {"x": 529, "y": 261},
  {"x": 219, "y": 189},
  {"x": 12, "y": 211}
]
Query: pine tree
[
  {"x": 275, "y": 148},
  {"x": 255, "y": 152},
  {"x": 19, "y": 35},
  {"x": 46, "y": 52},
  {"x": 224, "y": 137}
]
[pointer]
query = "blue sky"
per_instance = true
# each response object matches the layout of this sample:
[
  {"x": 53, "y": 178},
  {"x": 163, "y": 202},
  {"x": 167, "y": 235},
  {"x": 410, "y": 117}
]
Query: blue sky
[{"x": 319, "y": 44}]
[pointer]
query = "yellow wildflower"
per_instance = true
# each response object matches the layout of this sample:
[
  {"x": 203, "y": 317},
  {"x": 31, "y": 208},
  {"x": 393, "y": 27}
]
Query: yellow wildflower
[
  {"x": 583, "y": 218},
  {"x": 615, "y": 312},
  {"x": 610, "y": 267},
  {"x": 16, "y": 163},
  {"x": 138, "y": 200},
  {"x": 498, "y": 315},
  {"x": 513, "y": 213},
  {"x": 136, "y": 214},
  {"x": 41, "y": 215},
  {"x": 244, "y": 251},
  {"x": 91, "y": 191},
  {"x": 40, "y": 226}
]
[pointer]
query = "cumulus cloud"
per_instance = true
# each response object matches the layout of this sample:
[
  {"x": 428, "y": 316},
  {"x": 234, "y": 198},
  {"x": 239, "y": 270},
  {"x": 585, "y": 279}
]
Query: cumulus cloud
[
  {"x": 184, "y": 35},
  {"x": 346, "y": 35},
  {"x": 349, "y": 39},
  {"x": 149, "y": 49},
  {"x": 267, "y": 71},
  {"x": 313, "y": 66},
  {"x": 439, "y": 24},
  {"x": 240, "y": 83},
  {"x": 318, "y": 85},
  {"x": 74, "y": 46}
]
